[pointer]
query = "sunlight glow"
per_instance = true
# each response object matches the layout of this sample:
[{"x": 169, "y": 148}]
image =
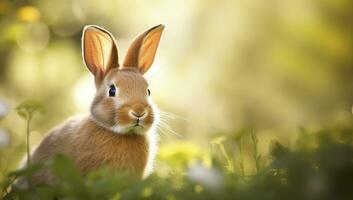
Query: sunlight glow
[{"x": 83, "y": 93}]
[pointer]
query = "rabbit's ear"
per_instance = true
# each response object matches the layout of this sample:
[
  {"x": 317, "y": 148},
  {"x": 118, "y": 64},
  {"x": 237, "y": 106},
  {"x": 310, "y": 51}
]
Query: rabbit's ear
[
  {"x": 143, "y": 49},
  {"x": 99, "y": 50}
]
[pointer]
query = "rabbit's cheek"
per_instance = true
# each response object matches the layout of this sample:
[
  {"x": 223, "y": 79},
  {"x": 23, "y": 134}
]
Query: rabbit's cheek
[
  {"x": 148, "y": 121},
  {"x": 103, "y": 111},
  {"x": 122, "y": 116}
]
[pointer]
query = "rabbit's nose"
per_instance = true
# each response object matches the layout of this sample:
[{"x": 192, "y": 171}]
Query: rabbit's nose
[{"x": 138, "y": 111}]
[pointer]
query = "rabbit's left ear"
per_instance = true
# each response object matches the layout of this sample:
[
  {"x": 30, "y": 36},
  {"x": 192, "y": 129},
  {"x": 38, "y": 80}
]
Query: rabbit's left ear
[
  {"x": 99, "y": 50},
  {"x": 143, "y": 49}
]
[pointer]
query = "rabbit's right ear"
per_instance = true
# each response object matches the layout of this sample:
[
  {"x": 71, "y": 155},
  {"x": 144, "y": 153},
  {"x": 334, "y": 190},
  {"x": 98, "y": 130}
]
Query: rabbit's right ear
[
  {"x": 99, "y": 50},
  {"x": 143, "y": 49}
]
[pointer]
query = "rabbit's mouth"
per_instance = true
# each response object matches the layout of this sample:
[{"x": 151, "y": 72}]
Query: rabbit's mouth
[
  {"x": 135, "y": 128},
  {"x": 137, "y": 125}
]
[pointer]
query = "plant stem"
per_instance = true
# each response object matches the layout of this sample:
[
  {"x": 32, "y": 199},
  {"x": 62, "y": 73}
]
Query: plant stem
[
  {"x": 229, "y": 160},
  {"x": 240, "y": 157},
  {"x": 256, "y": 154},
  {"x": 28, "y": 143},
  {"x": 28, "y": 152}
]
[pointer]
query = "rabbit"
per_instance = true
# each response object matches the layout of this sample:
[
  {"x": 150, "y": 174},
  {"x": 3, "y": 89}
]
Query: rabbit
[{"x": 120, "y": 131}]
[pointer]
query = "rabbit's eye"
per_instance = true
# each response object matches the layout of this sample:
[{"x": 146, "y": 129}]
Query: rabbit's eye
[
  {"x": 112, "y": 91},
  {"x": 149, "y": 92}
]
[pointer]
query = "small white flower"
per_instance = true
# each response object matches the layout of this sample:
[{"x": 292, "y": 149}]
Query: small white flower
[
  {"x": 4, "y": 139},
  {"x": 208, "y": 177},
  {"x": 4, "y": 108}
]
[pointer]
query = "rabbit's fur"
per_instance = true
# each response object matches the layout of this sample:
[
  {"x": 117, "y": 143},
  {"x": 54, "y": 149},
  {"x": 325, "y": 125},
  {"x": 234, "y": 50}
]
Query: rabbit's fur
[{"x": 119, "y": 133}]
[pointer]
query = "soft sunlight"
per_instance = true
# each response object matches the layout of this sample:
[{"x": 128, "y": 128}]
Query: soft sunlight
[
  {"x": 83, "y": 93},
  {"x": 251, "y": 99}
]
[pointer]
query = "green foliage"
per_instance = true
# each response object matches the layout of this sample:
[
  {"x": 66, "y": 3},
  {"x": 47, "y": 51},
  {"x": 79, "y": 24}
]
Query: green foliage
[
  {"x": 27, "y": 110},
  {"x": 323, "y": 172}
]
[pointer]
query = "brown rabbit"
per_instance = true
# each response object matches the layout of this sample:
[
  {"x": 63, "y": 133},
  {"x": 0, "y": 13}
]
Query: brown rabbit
[{"x": 120, "y": 131}]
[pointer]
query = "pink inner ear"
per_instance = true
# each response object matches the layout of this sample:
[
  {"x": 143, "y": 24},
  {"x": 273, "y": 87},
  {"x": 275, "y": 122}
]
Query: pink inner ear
[
  {"x": 143, "y": 49},
  {"x": 99, "y": 50}
]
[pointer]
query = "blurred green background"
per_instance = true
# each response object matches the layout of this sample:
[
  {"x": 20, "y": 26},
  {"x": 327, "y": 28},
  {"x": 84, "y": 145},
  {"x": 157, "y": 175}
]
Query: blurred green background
[{"x": 223, "y": 68}]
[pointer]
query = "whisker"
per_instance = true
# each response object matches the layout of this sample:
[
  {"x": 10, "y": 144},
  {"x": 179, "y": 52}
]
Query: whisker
[
  {"x": 171, "y": 115},
  {"x": 164, "y": 126}
]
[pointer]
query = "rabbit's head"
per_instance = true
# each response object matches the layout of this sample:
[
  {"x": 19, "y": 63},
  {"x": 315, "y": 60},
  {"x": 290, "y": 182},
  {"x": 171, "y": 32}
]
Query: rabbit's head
[{"x": 122, "y": 102}]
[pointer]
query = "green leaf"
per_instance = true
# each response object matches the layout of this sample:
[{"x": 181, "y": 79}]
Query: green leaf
[
  {"x": 65, "y": 170},
  {"x": 25, "y": 171},
  {"x": 278, "y": 150},
  {"x": 218, "y": 140}
]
